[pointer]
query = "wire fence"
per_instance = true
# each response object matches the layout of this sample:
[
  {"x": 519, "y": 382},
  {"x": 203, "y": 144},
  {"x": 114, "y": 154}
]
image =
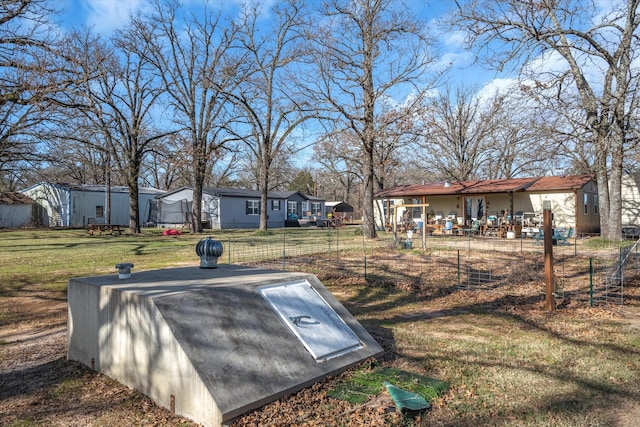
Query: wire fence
[
  {"x": 583, "y": 273},
  {"x": 613, "y": 276}
]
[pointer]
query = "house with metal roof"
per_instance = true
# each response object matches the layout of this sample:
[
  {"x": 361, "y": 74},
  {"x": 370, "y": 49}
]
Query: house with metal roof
[
  {"x": 228, "y": 208},
  {"x": 77, "y": 205},
  {"x": 573, "y": 200}
]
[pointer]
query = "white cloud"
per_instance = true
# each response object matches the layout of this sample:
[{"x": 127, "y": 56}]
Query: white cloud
[
  {"x": 551, "y": 62},
  {"x": 455, "y": 38},
  {"x": 495, "y": 87},
  {"x": 105, "y": 16}
]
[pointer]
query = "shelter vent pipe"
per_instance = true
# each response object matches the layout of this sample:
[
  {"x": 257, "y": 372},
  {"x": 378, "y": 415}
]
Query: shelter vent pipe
[{"x": 124, "y": 270}]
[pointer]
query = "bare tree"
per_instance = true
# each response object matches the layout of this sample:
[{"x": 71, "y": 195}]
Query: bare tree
[
  {"x": 167, "y": 166},
  {"x": 457, "y": 133},
  {"x": 597, "y": 48},
  {"x": 75, "y": 151},
  {"x": 34, "y": 72},
  {"x": 396, "y": 138},
  {"x": 467, "y": 135},
  {"x": 271, "y": 103},
  {"x": 340, "y": 156},
  {"x": 120, "y": 105},
  {"x": 366, "y": 51},
  {"x": 523, "y": 140},
  {"x": 281, "y": 170},
  {"x": 191, "y": 55}
]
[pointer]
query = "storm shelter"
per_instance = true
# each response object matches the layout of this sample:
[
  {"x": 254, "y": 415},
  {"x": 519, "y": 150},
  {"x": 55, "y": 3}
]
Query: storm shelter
[{"x": 212, "y": 344}]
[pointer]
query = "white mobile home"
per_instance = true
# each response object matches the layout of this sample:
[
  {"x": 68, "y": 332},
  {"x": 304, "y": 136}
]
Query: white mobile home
[{"x": 76, "y": 205}]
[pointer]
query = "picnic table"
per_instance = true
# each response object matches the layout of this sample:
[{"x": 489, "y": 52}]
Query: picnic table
[{"x": 105, "y": 228}]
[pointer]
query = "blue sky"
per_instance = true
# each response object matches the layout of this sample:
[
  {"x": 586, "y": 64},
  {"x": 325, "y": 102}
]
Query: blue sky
[{"x": 105, "y": 16}]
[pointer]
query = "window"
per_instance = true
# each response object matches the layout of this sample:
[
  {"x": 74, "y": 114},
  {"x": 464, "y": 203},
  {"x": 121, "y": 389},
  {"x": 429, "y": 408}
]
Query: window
[
  {"x": 292, "y": 208},
  {"x": 316, "y": 208},
  {"x": 275, "y": 205},
  {"x": 595, "y": 204},
  {"x": 305, "y": 207},
  {"x": 416, "y": 212},
  {"x": 388, "y": 205},
  {"x": 253, "y": 207},
  {"x": 586, "y": 203},
  {"x": 99, "y": 211}
]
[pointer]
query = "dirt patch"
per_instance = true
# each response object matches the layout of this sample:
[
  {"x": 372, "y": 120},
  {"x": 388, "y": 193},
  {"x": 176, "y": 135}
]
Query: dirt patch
[{"x": 38, "y": 384}]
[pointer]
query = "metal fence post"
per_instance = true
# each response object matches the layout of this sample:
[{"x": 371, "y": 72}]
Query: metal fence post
[
  {"x": 364, "y": 251},
  {"x": 229, "y": 250},
  {"x": 590, "y": 282},
  {"x": 458, "y": 268},
  {"x": 284, "y": 249}
]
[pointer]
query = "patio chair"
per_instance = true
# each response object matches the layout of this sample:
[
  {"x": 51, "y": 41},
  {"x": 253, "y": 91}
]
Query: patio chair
[
  {"x": 539, "y": 237},
  {"x": 475, "y": 228},
  {"x": 563, "y": 239}
]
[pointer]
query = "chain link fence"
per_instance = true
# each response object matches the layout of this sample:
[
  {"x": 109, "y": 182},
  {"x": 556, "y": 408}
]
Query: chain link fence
[{"x": 583, "y": 273}]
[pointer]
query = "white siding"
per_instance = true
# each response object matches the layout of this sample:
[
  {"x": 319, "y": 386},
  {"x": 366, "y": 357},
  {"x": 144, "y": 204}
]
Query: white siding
[
  {"x": 14, "y": 216},
  {"x": 631, "y": 200},
  {"x": 60, "y": 206}
]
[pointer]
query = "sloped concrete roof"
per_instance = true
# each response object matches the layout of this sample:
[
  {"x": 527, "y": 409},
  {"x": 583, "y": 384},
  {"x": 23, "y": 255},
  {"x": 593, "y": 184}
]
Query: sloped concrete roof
[{"x": 203, "y": 341}]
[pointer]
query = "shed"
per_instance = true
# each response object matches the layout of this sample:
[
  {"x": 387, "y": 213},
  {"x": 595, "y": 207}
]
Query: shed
[
  {"x": 340, "y": 207},
  {"x": 76, "y": 205},
  {"x": 341, "y": 210},
  {"x": 15, "y": 210}
]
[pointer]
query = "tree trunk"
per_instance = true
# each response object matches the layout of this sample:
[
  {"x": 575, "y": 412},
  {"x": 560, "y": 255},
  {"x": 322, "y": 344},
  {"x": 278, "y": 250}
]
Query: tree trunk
[
  {"x": 200, "y": 164},
  {"x": 196, "y": 206},
  {"x": 368, "y": 224},
  {"x": 134, "y": 200},
  {"x": 613, "y": 229},
  {"x": 134, "y": 207},
  {"x": 264, "y": 181}
]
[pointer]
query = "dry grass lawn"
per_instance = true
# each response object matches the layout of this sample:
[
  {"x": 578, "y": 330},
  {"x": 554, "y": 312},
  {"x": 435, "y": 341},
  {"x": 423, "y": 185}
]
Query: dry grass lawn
[{"x": 509, "y": 362}]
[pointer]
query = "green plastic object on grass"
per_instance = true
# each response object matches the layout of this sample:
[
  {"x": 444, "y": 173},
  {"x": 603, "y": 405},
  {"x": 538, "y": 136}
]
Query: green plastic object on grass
[{"x": 406, "y": 399}]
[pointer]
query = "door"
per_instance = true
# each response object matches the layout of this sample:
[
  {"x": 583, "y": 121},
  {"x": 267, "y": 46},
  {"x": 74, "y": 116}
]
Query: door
[{"x": 311, "y": 319}]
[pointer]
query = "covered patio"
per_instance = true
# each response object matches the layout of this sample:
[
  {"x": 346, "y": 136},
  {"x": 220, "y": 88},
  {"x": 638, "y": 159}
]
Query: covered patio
[{"x": 508, "y": 208}]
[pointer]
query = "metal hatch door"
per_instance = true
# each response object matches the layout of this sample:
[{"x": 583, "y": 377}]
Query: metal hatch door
[{"x": 311, "y": 319}]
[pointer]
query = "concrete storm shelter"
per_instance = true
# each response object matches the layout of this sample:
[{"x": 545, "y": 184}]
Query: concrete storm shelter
[{"x": 212, "y": 344}]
